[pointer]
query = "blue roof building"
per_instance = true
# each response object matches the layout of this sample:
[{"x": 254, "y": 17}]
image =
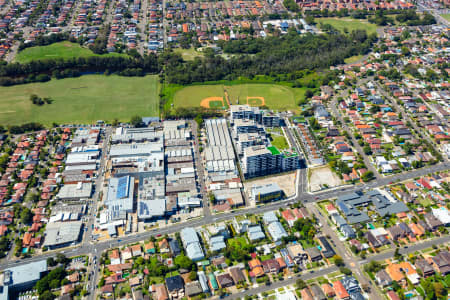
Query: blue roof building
[
  {"x": 276, "y": 231},
  {"x": 255, "y": 233},
  {"x": 270, "y": 217},
  {"x": 217, "y": 243},
  {"x": 191, "y": 243}
]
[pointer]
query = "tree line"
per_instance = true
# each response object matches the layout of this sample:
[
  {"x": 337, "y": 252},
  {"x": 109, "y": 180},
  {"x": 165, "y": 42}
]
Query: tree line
[
  {"x": 41, "y": 70},
  {"x": 271, "y": 56}
]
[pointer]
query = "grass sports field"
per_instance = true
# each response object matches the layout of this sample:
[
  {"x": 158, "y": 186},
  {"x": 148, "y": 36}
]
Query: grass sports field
[
  {"x": 277, "y": 97},
  {"x": 349, "y": 23},
  {"x": 56, "y": 50},
  {"x": 81, "y": 100}
]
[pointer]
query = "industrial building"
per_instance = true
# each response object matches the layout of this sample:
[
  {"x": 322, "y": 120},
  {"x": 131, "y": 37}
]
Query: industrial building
[
  {"x": 73, "y": 192},
  {"x": 151, "y": 198},
  {"x": 266, "y": 193},
  {"x": 219, "y": 152},
  {"x": 21, "y": 278},
  {"x": 119, "y": 198},
  {"x": 62, "y": 234}
]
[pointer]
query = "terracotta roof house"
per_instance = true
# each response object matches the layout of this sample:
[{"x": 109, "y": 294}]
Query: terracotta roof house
[
  {"x": 160, "y": 292},
  {"x": 328, "y": 290},
  {"x": 392, "y": 295},
  {"x": 150, "y": 248},
  {"x": 107, "y": 289},
  {"x": 306, "y": 294}
]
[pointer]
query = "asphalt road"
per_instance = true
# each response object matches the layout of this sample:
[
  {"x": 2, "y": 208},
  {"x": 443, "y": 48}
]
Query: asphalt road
[
  {"x": 87, "y": 248},
  {"x": 307, "y": 275}
]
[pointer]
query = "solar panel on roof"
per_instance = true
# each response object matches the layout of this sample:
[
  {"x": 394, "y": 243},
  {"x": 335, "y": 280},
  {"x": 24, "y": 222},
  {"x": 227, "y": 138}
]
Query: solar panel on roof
[{"x": 122, "y": 188}]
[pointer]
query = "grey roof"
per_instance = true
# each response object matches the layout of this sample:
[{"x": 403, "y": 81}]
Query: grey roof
[
  {"x": 255, "y": 233},
  {"x": 151, "y": 208},
  {"x": 24, "y": 274},
  {"x": 191, "y": 243},
  {"x": 174, "y": 283},
  {"x": 348, "y": 231},
  {"x": 193, "y": 288},
  {"x": 350, "y": 284},
  {"x": 339, "y": 220},
  {"x": 120, "y": 194},
  {"x": 276, "y": 231},
  {"x": 217, "y": 243},
  {"x": 270, "y": 217},
  {"x": 317, "y": 292},
  {"x": 75, "y": 191},
  {"x": 348, "y": 205},
  {"x": 265, "y": 189},
  {"x": 61, "y": 233}
]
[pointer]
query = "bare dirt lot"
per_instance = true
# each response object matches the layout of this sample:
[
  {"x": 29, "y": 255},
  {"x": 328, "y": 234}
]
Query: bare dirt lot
[
  {"x": 322, "y": 177},
  {"x": 286, "y": 182}
]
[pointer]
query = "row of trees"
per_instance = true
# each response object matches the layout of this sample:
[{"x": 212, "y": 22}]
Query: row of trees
[{"x": 39, "y": 71}]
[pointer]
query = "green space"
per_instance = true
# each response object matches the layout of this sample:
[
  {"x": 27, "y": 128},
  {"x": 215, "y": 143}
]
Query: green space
[
  {"x": 57, "y": 50},
  {"x": 349, "y": 23},
  {"x": 238, "y": 242},
  {"x": 446, "y": 16},
  {"x": 277, "y": 97},
  {"x": 188, "y": 54},
  {"x": 273, "y": 150},
  {"x": 81, "y": 100},
  {"x": 353, "y": 59},
  {"x": 279, "y": 142}
]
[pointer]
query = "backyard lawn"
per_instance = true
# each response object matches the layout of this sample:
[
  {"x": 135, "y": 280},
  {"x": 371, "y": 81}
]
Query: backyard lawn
[
  {"x": 446, "y": 16},
  {"x": 81, "y": 100},
  {"x": 188, "y": 54},
  {"x": 349, "y": 23},
  {"x": 56, "y": 50}
]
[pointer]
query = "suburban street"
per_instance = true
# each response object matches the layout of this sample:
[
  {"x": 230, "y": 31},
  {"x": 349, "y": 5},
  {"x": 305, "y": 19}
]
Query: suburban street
[
  {"x": 338, "y": 115},
  {"x": 97, "y": 247}
]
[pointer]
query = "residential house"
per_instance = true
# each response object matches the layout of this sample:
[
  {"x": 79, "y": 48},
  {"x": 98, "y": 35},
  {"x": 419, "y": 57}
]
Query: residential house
[
  {"x": 425, "y": 267},
  {"x": 175, "y": 287},
  {"x": 225, "y": 280},
  {"x": 441, "y": 262}
]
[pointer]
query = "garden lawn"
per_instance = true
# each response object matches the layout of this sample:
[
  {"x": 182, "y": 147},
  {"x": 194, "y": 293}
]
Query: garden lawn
[
  {"x": 188, "y": 54},
  {"x": 277, "y": 97},
  {"x": 349, "y": 23},
  {"x": 81, "y": 100},
  {"x": 57, "y": 50},
  {"x": 446, "y": 16},
  {"x": 279, "y": 141}
]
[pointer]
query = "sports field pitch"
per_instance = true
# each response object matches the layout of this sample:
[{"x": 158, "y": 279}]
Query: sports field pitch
[
  {"x": 56, "y": 50},
  {"x": 81, "y": 100},
  {"x": 277, "y": 97},
  {"x": 349, "y": 23}
]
